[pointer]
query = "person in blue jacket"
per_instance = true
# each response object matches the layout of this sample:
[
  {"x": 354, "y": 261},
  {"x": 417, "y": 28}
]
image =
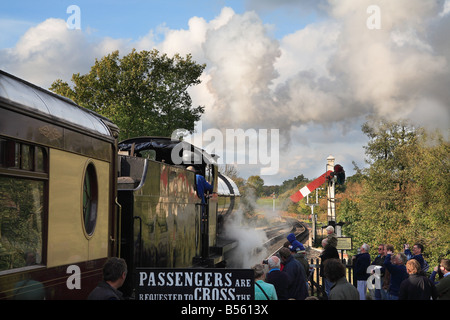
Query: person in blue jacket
[
  {"x": 416, "y": 254},
  {"x": 398, "y": 272},
  {"x": 202, "y": 185},
  {"x": 297, "y": 288},
  {"x": 295, "y": 244}
]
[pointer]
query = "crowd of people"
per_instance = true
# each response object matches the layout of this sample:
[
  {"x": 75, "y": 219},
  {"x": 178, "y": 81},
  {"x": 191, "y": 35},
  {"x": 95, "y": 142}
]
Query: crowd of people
[
  {"x": 389, "y": 276},
  {"x": 287, "y": 273},
  {"x": 402, "y": 275},
  {"x": 396, "y": 276}
]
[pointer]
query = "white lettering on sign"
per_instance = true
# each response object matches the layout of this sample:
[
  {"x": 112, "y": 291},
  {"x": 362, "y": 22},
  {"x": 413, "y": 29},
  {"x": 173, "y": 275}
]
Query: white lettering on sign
[
  {"x": 188, "y": 284},
  {"x": 178, "y": 279}
]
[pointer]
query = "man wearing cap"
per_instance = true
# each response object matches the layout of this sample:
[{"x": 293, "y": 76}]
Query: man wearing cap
[
  {"x": 295, "y": 244},
  {"x": 298, "y": 251}
]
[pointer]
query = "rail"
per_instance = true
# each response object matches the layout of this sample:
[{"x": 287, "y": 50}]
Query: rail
[
  {"x": 291, "y": 226},
  {"x": 277, "y": 235}
]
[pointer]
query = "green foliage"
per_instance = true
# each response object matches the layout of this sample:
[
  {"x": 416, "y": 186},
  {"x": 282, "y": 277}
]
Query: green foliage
[
  {"x": 21, "y": 205},
  {"x": 285, "y": 186},
  {"x": 257, "y": 183},
  {"x": 145, "y": 93},
  {"x": 404, "y": 197}
]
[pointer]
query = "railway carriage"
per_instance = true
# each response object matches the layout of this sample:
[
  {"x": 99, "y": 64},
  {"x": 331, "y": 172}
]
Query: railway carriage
[
  {"x": 69, "y": 199},
  {"x": 57, "y": 165}
]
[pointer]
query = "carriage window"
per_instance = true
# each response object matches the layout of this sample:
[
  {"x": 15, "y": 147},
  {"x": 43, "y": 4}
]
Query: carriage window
[
  {"x": 41, "y": 157},
  {"x": 21, "y": 214},
  {"x": 22, "y": 156},
  {"x": 16, "y": 155},
  {"x": 22, "y": 205},
  {"x": 90, "y": 199},
  {"x": 27, "y": 157}
]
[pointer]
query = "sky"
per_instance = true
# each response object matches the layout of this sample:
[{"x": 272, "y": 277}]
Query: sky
[{"x": 302, "y": 75}]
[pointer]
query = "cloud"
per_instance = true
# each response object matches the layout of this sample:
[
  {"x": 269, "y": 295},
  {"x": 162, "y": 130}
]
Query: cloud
[
  {"x": 326, "y": 77},
  {"x": 388, "y": 72},
  {"x": 50, "y": 51},
  {"x": 337, "y": 70}
]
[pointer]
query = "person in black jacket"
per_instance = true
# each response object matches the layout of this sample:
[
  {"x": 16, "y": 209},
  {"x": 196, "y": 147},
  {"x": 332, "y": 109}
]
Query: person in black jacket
[
  {"x": 417, "y": 286},
  {"x": 329, "y": 252},
  {"x": 361, "y": 263},
  {"x": 379, "y": 261},
  {"x": 279, "y": 279},
  {"x": 114, "y": 274}
]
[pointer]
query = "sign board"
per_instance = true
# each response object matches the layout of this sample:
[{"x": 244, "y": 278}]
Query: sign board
[
  {"x": 344, "y": 243},
  {"x": 194, "y": 284}
]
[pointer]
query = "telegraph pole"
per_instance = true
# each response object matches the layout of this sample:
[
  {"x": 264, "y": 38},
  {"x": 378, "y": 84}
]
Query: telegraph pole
[
  {"x": 313, "y": 216},
  {"x": 331, "y": 193},
  {"x": 273, "y": 200}
]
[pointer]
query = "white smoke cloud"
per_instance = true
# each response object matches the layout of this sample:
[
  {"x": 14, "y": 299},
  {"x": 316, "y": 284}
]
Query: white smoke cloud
[
  {"x": 337, "y": 70},
  {"x": 242, "y": 57},
  {"x": 316, "y": 84},
  {"x": 250, "y": 249},
  {"x": 388, "y": 72}
]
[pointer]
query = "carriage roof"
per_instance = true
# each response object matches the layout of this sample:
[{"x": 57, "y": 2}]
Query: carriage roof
[{"x": 29, "y": 97}]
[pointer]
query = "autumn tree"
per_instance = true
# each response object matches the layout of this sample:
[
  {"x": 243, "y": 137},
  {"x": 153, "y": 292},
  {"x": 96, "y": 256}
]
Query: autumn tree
[
  {"x": 145, "y": 93},
  {"x": 404, "y": 190},
  {"x": 427, "y": 195},
  {"x": 256, "y": 183}
]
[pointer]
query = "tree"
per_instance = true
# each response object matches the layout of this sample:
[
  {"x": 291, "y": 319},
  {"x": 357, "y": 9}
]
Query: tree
[
  {"x": 145, "y": 93},
  {"x": 257, "y": 183},
  {"x": 427, "y": 195},
  {"x": 404, "y": 191},
  {"x": 291, "y": 183}
]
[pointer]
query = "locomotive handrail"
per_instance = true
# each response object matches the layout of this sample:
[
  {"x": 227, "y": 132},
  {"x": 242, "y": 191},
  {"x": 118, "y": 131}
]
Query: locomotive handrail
[{"x": 119, "y": 233}]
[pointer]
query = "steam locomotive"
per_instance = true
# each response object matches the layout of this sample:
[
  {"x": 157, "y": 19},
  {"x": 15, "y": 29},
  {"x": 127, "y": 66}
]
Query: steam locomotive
[{"x": 72, "y": 195}]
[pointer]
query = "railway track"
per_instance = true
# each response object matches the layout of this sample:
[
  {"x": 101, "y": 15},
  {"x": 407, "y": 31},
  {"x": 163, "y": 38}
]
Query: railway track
[{"x": 277, "y": 235}]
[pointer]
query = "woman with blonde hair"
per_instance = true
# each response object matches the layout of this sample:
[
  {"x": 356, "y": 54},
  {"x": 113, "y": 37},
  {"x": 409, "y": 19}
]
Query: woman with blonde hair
[{"x": 417, "y": 286}]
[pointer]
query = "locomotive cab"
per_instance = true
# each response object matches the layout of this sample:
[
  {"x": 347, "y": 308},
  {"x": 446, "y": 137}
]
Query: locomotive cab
[{"x": 161, "y": 219}]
